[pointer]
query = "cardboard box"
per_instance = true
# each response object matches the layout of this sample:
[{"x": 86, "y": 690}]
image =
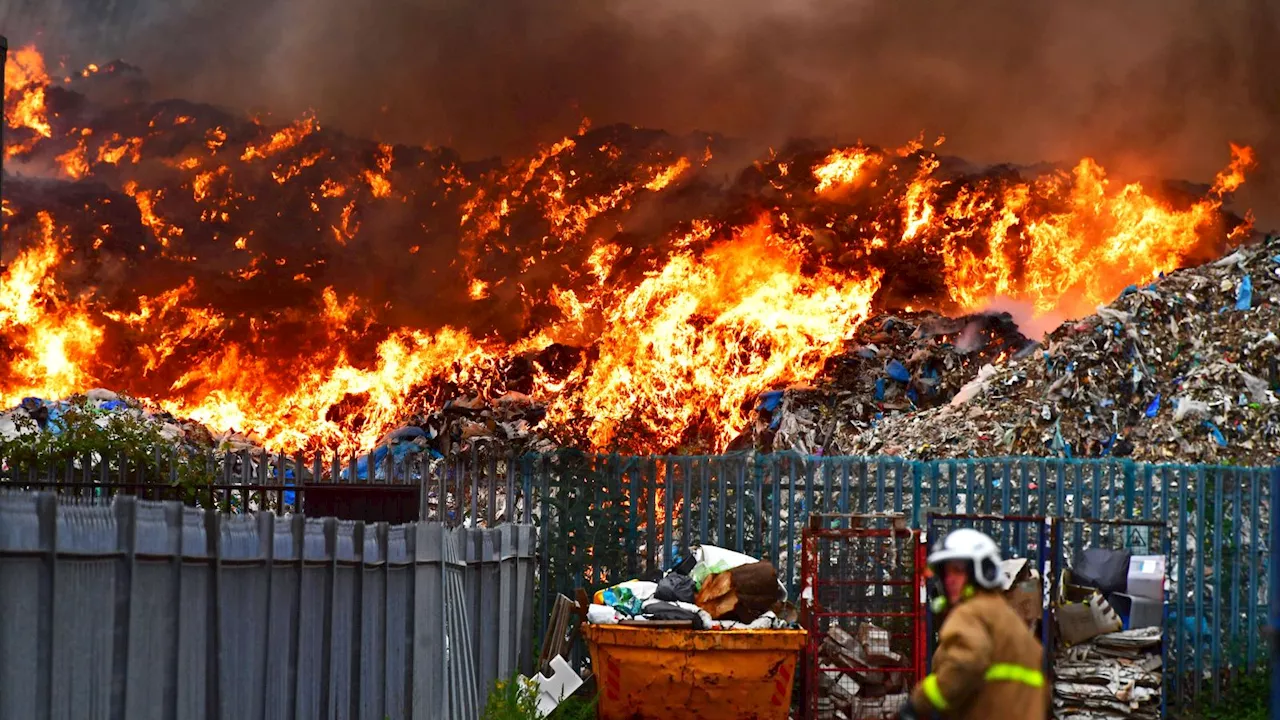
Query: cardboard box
[
  {"x": 1078, "y": 622},
  {"x": 1027, "y": 599},
  {"x": 1146, "y": 577},
  {"x": 1138, "y": 612}
]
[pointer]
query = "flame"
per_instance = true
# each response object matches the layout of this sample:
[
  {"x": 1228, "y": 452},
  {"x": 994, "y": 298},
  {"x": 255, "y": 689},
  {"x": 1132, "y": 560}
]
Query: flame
[
  {"x": 677, "y": 322},
  {"x": 25, "y": 81},
  {"x": 667, "y": 175},
  {"x": 763, "y": 322},
  {"x": 54, "y": 337},
  {"x": 279, "y": 141},
  {"x": 842, "y": 168},
  {"x": 116, "y": 149},
  {"x": 74, "y": 162},
  {"x": 1084, "y": 255}
]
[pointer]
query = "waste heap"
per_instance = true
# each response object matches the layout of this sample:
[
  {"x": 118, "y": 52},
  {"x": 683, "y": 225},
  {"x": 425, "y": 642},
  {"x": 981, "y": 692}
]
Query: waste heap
[
  {"x": 1186, "y": 368},
  {"x": 895, "y": 363},
  {"x": 1109, "y": 657},
  {"x": 1116, "y": 675},
  {"x": 709, "y": 588},
  {"x": 866, "y": 694}
]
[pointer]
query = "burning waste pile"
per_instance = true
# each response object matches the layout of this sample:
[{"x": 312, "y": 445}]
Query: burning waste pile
[
  {"x": 1186, "y": 369},
  {"x": 287, "y": 287}
]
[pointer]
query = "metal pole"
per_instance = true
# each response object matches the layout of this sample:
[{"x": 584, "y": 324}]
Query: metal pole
[
  {"x": 1275, "y": 597},
  {"x": 4, "y": 59}
]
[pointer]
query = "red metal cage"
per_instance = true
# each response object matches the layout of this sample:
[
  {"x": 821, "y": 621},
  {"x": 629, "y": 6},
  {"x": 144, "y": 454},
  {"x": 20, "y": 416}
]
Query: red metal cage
[{"x": 862, "y": 602}]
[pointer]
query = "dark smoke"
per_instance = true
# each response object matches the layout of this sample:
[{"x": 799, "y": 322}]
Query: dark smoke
[{"x": 1151, "y": 87}]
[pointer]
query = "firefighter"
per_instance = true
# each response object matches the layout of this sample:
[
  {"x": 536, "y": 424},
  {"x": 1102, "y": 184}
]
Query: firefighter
[{"x": 988, "y": 664}]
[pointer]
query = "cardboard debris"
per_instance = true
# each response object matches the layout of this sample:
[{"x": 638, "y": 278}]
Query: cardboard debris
[
  {"x": 1081, "y": 621},
  {"x": 1023, "y": 589},
  {"x": 1116, "y": 675}
]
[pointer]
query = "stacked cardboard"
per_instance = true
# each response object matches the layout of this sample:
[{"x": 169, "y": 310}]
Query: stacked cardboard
[
  {"x": 859, "y": 691},
  {"x": 1101, "y": 671},
  {"x": 1117, "y": 675}
]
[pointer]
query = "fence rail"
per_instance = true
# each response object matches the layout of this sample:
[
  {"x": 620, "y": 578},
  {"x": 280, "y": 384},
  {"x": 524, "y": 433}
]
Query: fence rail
[
  {"x": 139, "y": 609},
  {"x": 606, "y": 518}
]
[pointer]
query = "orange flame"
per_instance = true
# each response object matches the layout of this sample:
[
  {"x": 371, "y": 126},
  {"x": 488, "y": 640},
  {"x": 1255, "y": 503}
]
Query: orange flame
[
  {"x": 681, "y": 326},
  {"x": 57, "y": 338}
]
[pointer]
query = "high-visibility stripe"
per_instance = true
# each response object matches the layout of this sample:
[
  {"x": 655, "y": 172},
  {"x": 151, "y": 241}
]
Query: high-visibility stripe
[
  {"x": 1015, "y": 673},
  {"x": 931, "y": 691}
]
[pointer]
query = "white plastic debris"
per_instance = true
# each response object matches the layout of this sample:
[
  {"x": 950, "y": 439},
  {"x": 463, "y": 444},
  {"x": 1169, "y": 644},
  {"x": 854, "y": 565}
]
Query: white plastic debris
[
  {"x": 974, "y": 387},
  {"x": 553, "y": 690}
]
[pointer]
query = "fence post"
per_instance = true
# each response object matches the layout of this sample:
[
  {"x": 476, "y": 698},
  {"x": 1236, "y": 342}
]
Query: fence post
[{"x": 1274, "y": 597}]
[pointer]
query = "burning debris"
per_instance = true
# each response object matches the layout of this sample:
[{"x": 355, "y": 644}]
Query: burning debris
[
  {"x": 1184, "y": 369},
  {"x": 895, "y": 364},
  {"x": 312, "y": 290}
]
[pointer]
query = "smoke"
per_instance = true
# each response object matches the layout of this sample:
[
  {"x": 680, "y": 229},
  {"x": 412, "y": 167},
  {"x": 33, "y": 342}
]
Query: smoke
[{"x": 1150, "y": 87}]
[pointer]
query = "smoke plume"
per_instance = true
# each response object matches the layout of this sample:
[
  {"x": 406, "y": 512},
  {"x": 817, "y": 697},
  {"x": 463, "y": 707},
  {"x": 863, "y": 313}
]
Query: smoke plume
[{"x": 1150, "y": 87}]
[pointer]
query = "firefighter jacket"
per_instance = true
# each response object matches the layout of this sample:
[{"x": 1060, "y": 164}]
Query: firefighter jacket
[{"x": 987, "y": 665}]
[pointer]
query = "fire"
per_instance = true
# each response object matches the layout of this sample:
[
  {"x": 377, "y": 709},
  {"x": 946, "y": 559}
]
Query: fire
[
  {"x": 25, "y": 81},
  {"x": 1083, "y": 255},
  {"x": 705, "y": 334},
  {"x": 279, "y": 141},
  {"x": 843, "y": 168},
  {"x": 56, "y": 337},
  {"x": 255, "y": 278}
]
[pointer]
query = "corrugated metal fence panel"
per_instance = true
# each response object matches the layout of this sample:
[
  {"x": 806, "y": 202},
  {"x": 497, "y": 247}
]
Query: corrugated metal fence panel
[
  {"x": 148, "y": 610},
  {"x": 500, "y": 599}
]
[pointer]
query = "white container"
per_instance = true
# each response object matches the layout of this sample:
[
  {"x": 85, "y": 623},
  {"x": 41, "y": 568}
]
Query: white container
[{"x": 1146, "y": 577}]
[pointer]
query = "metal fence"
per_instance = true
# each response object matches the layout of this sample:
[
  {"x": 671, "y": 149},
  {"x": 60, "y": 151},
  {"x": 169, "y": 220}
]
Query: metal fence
[
  {"x": 606, "y": 518},
  {"x": 139, "y": 609}
]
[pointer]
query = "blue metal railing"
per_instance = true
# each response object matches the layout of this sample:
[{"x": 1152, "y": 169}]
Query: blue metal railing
[{"x": 1275, "y": 602}]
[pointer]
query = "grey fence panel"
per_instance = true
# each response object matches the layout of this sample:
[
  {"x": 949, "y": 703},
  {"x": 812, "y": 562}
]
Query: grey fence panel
[
  {"x": 146, "y": 610},
  {"x": 500, "y": 589}
]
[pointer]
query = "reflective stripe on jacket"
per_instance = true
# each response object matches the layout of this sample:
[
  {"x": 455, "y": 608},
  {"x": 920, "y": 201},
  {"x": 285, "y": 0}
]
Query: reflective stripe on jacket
[{"x": 987, "y": 665}]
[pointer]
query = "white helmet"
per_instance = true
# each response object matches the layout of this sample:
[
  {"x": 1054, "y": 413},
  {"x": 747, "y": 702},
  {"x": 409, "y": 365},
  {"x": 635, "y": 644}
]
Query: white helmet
[{"x": 976, "y": 548}]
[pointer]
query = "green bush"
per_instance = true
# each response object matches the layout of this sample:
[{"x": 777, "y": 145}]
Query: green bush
[
  {"x": 1245, "y": 699},
  {"x": 512, "y": 699},
  {"x": 83, "y": 442},
  {"x": 517, "y": 699}
]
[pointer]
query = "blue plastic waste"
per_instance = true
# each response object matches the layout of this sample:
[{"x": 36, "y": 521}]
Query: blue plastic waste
[
  {"x": 1216, "y": 433},
  {"x": 1154, "y": 407},
  {"x": 879, "y": 389},
  {"x": 769, "y": 400},
  {"x": 114, "y": 405},
  {"x": 1244, "y": 295},
  {"x": 898, "y": 371},
  {"x": 408, "y": 432}
]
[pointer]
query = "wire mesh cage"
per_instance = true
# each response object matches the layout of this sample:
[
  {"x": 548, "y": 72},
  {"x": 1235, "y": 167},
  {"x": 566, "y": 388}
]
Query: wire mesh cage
[{"x": 861, "y": 602}]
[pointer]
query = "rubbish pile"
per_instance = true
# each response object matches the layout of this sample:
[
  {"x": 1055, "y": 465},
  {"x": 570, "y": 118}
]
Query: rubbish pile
[
  {"x": 868, "y": 693},
  {"x": 1184, "y": 369},
  {"x": 709, "y": 588},
  {"x": 38, "y": 414},
  {"x": 1116, "y": 675},
  {"x": 1109, "y": 620},
  {"x": 895, "y": 364}
]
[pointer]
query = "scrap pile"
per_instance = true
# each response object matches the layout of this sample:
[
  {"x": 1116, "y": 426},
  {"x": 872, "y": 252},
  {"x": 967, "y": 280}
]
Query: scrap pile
[
  {"x": 894, "y": 364},
  {"x": 1186, "y": 368},
  {"x": 1116, "y": 675},
  {"x": 869, "y": 683},
  {"x": 1109, "y": 660},
  {"x": 708, "y": 589}
]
